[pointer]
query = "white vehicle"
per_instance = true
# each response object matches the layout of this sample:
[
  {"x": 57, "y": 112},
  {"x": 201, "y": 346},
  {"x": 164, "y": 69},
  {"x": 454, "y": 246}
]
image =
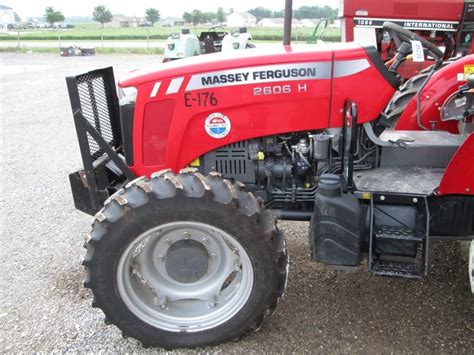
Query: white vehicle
[
  {"x": 237, "y": 40},
  {"x": 181, "y": 45},
  {"x": 216, "y": 39}
]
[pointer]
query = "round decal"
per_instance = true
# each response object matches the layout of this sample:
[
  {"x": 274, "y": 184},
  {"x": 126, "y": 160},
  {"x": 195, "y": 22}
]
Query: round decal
[{"x": 217, "y": 125}]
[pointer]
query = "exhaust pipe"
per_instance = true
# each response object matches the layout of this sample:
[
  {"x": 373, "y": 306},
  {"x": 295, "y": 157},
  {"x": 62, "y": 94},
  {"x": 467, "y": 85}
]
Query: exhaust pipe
[{"x": 288, "y": 19}]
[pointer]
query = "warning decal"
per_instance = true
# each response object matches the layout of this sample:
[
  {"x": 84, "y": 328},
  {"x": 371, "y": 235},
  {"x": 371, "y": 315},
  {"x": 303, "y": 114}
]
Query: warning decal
[{"x": 468, "y": 70}]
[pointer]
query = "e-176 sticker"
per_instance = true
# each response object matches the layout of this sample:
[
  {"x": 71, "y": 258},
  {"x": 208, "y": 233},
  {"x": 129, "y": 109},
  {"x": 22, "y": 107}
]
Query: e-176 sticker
[{"x": 200, "y": 99}]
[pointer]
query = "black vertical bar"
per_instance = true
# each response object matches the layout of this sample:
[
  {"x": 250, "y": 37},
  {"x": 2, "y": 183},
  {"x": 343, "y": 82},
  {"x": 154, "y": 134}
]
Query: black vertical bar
[
  {"x": 352, "y": 146},
  {"x": 287, "y": 25},
  {"x": 343, "y": 141},
  {"x": 83, "y": 144},
  {"x": 371, "y": 232},
  {"x": 113, "y": 105},
  {"x": 427, "y": 238}
]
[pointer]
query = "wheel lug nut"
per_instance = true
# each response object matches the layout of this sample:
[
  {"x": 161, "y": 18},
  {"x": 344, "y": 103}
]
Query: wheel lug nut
[
  {"x": 213, "y": 302},
  {"x": 212, "y": 256},
  {"x": 186, "y": 235},
  {"x": 161, "y": 257},
  {"x": 161, "y": 302},
  {"x": 168, "y": 241},
  {"x": 205, "y": 241}
]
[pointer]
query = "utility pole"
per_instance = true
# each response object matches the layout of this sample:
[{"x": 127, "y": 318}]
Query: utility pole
[{"x": 287, "y": 26}]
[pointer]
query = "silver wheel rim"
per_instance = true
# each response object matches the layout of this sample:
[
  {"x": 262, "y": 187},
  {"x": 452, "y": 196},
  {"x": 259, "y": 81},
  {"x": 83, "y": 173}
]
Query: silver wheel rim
[{"x": 155, "y": 296}]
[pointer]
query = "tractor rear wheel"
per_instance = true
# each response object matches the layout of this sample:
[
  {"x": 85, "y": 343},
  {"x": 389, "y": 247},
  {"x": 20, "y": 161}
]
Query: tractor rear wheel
[
  {"x": 403, "y": 96},
  {"x": 185, "y": 260}
]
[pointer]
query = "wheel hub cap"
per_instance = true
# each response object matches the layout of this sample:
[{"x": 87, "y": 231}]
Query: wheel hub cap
[{"x": 187, "y": 261}]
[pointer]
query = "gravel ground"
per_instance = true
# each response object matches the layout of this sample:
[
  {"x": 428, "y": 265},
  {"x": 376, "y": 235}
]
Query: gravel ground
[{"x": 44, "y": 307}]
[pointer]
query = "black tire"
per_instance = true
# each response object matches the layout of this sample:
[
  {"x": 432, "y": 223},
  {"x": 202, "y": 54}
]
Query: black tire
[
  {"x": 403, "y": 96},
  {"x": 166, "y": 197}
]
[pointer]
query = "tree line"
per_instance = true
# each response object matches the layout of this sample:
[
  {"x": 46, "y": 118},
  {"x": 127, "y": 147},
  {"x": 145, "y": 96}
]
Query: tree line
[
  {"x": 300, "y": 13},
  {"x": 196, "y": 16},
  {"x": 100, "y": 14},
  {"x": 103, "y": 15}
]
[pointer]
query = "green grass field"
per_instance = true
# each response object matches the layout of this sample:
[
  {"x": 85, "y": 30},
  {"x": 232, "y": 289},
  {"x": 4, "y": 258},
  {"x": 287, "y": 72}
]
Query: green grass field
[{"x": 93, "y": 32}]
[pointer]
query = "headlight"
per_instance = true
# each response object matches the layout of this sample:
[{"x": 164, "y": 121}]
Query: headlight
[
  {"x": 235, "y": 45},
  {"x": 170, "y": 46},
  {"x": 127, "y": 95}
]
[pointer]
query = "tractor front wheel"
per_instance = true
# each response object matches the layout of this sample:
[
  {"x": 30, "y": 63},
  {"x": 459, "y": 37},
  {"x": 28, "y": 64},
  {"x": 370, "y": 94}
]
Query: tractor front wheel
[{"x": 185, "y": 260}]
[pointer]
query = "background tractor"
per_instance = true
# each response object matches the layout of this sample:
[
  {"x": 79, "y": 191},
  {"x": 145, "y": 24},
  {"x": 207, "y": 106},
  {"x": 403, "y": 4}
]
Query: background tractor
[
  {"x": 448, "y": 24},
  {"x": 187, "y": 171},
  {"x": 216, "y": 39}
]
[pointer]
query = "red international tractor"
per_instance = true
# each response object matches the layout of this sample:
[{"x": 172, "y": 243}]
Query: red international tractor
[
  {"x": 448, "y": 24},
  {"x": 189, "y": 168}
]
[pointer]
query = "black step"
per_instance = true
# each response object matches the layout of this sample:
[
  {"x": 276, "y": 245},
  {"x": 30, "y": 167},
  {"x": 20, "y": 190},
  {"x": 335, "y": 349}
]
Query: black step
[
  {"x": 398, "y": 233},
  {"x": 391, "y": 269}
]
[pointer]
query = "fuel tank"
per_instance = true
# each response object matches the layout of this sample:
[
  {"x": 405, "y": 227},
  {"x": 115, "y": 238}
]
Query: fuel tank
[{"x": 189, "y": 107}]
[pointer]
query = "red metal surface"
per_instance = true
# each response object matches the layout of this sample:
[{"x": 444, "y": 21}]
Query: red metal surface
[
  {"x": 155, "y": 135},
  {"x": 459, "y": 175},
  {"x": 410, "y": 68},
  {"x": 446, "y": 10},
  {"x": 318, "y": 107},
  {"x": 442, "y": 84}
]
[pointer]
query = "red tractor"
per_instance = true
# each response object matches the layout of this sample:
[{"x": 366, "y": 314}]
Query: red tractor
[
  {"x": 448, "y": 24},
  {"x": 189, "y": 168}
]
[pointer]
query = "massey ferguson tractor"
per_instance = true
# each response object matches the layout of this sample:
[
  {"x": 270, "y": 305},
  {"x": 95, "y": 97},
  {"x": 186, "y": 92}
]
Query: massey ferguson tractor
[
  {"x": 189, "y": 167},
  {"x": 448, "y": 24}
]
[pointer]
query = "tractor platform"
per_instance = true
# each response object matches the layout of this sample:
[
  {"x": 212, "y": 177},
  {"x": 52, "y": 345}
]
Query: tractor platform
[{"x": 416, "y": 180}]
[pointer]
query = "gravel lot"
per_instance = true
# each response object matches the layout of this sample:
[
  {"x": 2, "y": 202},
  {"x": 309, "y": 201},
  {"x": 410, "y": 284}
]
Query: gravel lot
[{"x": 44, "y": 307}]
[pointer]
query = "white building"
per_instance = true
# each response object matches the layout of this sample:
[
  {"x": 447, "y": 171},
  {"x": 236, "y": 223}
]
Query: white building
[
  {"x": 310, "y": 22},
  {"x": 6, "y": 16},
  {"x": 297, "y": 23},
  {"x": 278, "y": 22},
  {"x": 271, "y": 22},
  {"x": 126, "y": 21},
  {"x": 172, "y": 21},
  {"x": 241, "y": 19}
]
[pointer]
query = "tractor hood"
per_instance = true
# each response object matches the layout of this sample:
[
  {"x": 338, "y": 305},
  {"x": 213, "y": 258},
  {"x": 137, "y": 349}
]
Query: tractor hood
[{"x": 236, "y": 59}]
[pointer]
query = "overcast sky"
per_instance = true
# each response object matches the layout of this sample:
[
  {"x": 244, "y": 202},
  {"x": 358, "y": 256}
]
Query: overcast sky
[{"x": 35, "y": 8}]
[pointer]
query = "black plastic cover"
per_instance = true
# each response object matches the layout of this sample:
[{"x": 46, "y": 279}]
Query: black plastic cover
[
  {"x": 126, "y": 124},
  {"x": 377, "y": 61},
  {"x": 336, "y": 226}
]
